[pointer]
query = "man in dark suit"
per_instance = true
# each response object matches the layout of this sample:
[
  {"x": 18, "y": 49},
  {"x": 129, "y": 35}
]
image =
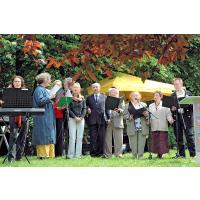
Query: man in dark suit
[
  {"x": 184, "y": 122},
  {"x": 97, "y": 117}
]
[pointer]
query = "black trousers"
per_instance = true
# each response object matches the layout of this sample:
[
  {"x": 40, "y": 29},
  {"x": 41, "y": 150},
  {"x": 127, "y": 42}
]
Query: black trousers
[
  {"x": 59, "y": 147},
  {"x": 97, "y": 139},
  {"x": 66, "y": 134},
  {"x": 16, "y": 150},
  {"x": 188, "y": 135}
]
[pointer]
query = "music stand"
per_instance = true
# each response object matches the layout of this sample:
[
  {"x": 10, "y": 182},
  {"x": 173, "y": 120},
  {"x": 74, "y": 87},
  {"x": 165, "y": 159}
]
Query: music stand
[{"x": 17, "y": 98}]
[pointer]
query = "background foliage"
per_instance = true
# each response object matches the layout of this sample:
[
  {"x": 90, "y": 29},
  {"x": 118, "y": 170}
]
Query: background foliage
[{"x": 158, "y": 57}]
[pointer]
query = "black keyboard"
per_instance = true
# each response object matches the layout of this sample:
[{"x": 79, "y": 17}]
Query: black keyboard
[{"x": 21, "y": 111}]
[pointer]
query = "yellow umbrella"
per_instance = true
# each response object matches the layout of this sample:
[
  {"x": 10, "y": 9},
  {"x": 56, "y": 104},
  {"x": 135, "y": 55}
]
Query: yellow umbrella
[{"x": 127, "y": 83}]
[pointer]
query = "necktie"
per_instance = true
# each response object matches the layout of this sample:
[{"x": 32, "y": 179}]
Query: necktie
[{"x": 96, "y": 98}]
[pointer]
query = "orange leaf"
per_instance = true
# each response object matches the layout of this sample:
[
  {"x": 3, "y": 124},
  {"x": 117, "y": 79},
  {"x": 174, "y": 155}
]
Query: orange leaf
[
  {"x": 92, "y": 75},
  {"x": 77, "y": 75},
  {"x": 75, "y": 60},
  {"x": 30, "y": 47},
  {"x": 69, "y": 61},
  {"x": 37, "y": 44},
  {"x": 51, "y": 62},
  {"x": 148, "y": 53},
  {"x": 57, "y": 64},
  {"x": 98, "y": 67},
  {"x": 104, "y": 67}
]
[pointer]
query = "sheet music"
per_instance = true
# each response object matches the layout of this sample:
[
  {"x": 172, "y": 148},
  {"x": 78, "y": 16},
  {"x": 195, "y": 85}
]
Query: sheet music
[
  {"x": 54, "y": 90},
  {"x": 68, "y": 93},
  {"x": 112, "y": 102}
]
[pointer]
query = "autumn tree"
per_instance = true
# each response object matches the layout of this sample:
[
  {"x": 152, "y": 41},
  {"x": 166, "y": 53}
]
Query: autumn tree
[
  {"x": 122, "y": 49},
  {"x": 88, "y": 58}
]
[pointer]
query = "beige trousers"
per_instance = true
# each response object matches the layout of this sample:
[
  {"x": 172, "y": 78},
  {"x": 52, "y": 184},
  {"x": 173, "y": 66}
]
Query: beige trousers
[
  {"x": 117, "y": 134},
  {"x": 137, "y": 144}
]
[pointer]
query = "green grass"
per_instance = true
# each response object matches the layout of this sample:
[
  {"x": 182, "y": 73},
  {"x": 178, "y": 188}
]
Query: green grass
[{"x": 87, "y": 161}]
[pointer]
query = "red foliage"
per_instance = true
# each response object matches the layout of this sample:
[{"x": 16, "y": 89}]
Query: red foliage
[
  {"x": 31, "y": 47},
  {"x": 108, "y": 73},
  {"x": 120, "y": 48}
]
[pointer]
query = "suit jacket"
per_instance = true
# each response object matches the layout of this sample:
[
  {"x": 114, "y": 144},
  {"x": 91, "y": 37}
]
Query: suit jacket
[
  {"x": 98, "y": 113},
  {"x": 163, "y": 116},
  {"x": 188, "y": 111},
  {"x": 117, "y": 118},
  {"x": 130, "y": 122}
]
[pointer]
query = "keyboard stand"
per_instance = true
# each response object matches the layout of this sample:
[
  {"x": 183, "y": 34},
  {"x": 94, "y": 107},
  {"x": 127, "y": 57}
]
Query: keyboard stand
[
  {"x": 3, "y": 130},
  {"x": 20, "y": 132},
  {"x": 27, "y": 112}
]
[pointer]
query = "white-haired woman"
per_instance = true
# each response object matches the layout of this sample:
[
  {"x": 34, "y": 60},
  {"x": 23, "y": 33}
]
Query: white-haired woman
[
  {"x": 137, "y": 128},
  {"x": 115, "y": 128},
  {"x": 44, "y": 129},
  {"x": 77, "y": 111}
]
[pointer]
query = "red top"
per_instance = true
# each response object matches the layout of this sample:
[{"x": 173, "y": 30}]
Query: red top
[{"x": 58, "y": 112}]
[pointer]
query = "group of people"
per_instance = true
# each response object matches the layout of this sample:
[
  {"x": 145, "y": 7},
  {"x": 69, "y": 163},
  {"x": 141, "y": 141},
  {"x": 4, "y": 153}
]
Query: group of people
[{"x": 105, "y": 126}]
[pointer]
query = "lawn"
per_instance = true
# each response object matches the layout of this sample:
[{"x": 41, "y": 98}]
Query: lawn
[{"x": 87, "y": 161}]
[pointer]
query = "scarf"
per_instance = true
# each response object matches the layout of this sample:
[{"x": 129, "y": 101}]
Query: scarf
[{"x": 81, "y": 98}]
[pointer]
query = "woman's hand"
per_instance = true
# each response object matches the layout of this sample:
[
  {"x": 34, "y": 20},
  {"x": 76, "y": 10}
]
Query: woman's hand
[
  {"x": 1, "y": 102},
  {"x": 78, "y": 119},
  {"x": 59, "y": 108},
  {"x": 64, "y": 107},
  {"x": 89, "y": 111},
  {"x": 171, "y": 121},
  {"x": 173, "y": 108},
  {"x": 130, "y": 117},
  {"x": 146, "y": 113},
  {"x": 119, "y": 110},
  {"x": 108, "y": 121},
  {"x": 53, "y": 96}
]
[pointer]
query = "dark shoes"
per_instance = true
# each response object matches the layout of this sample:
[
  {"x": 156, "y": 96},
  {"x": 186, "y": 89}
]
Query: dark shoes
[
  {"x": 104, "y": 156},
  {"x": 11, "y": 160},
  {"x": 159, "y": 156},
  {"x": 178, "y": 156},
  {"x": 18, "y": 158}
]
